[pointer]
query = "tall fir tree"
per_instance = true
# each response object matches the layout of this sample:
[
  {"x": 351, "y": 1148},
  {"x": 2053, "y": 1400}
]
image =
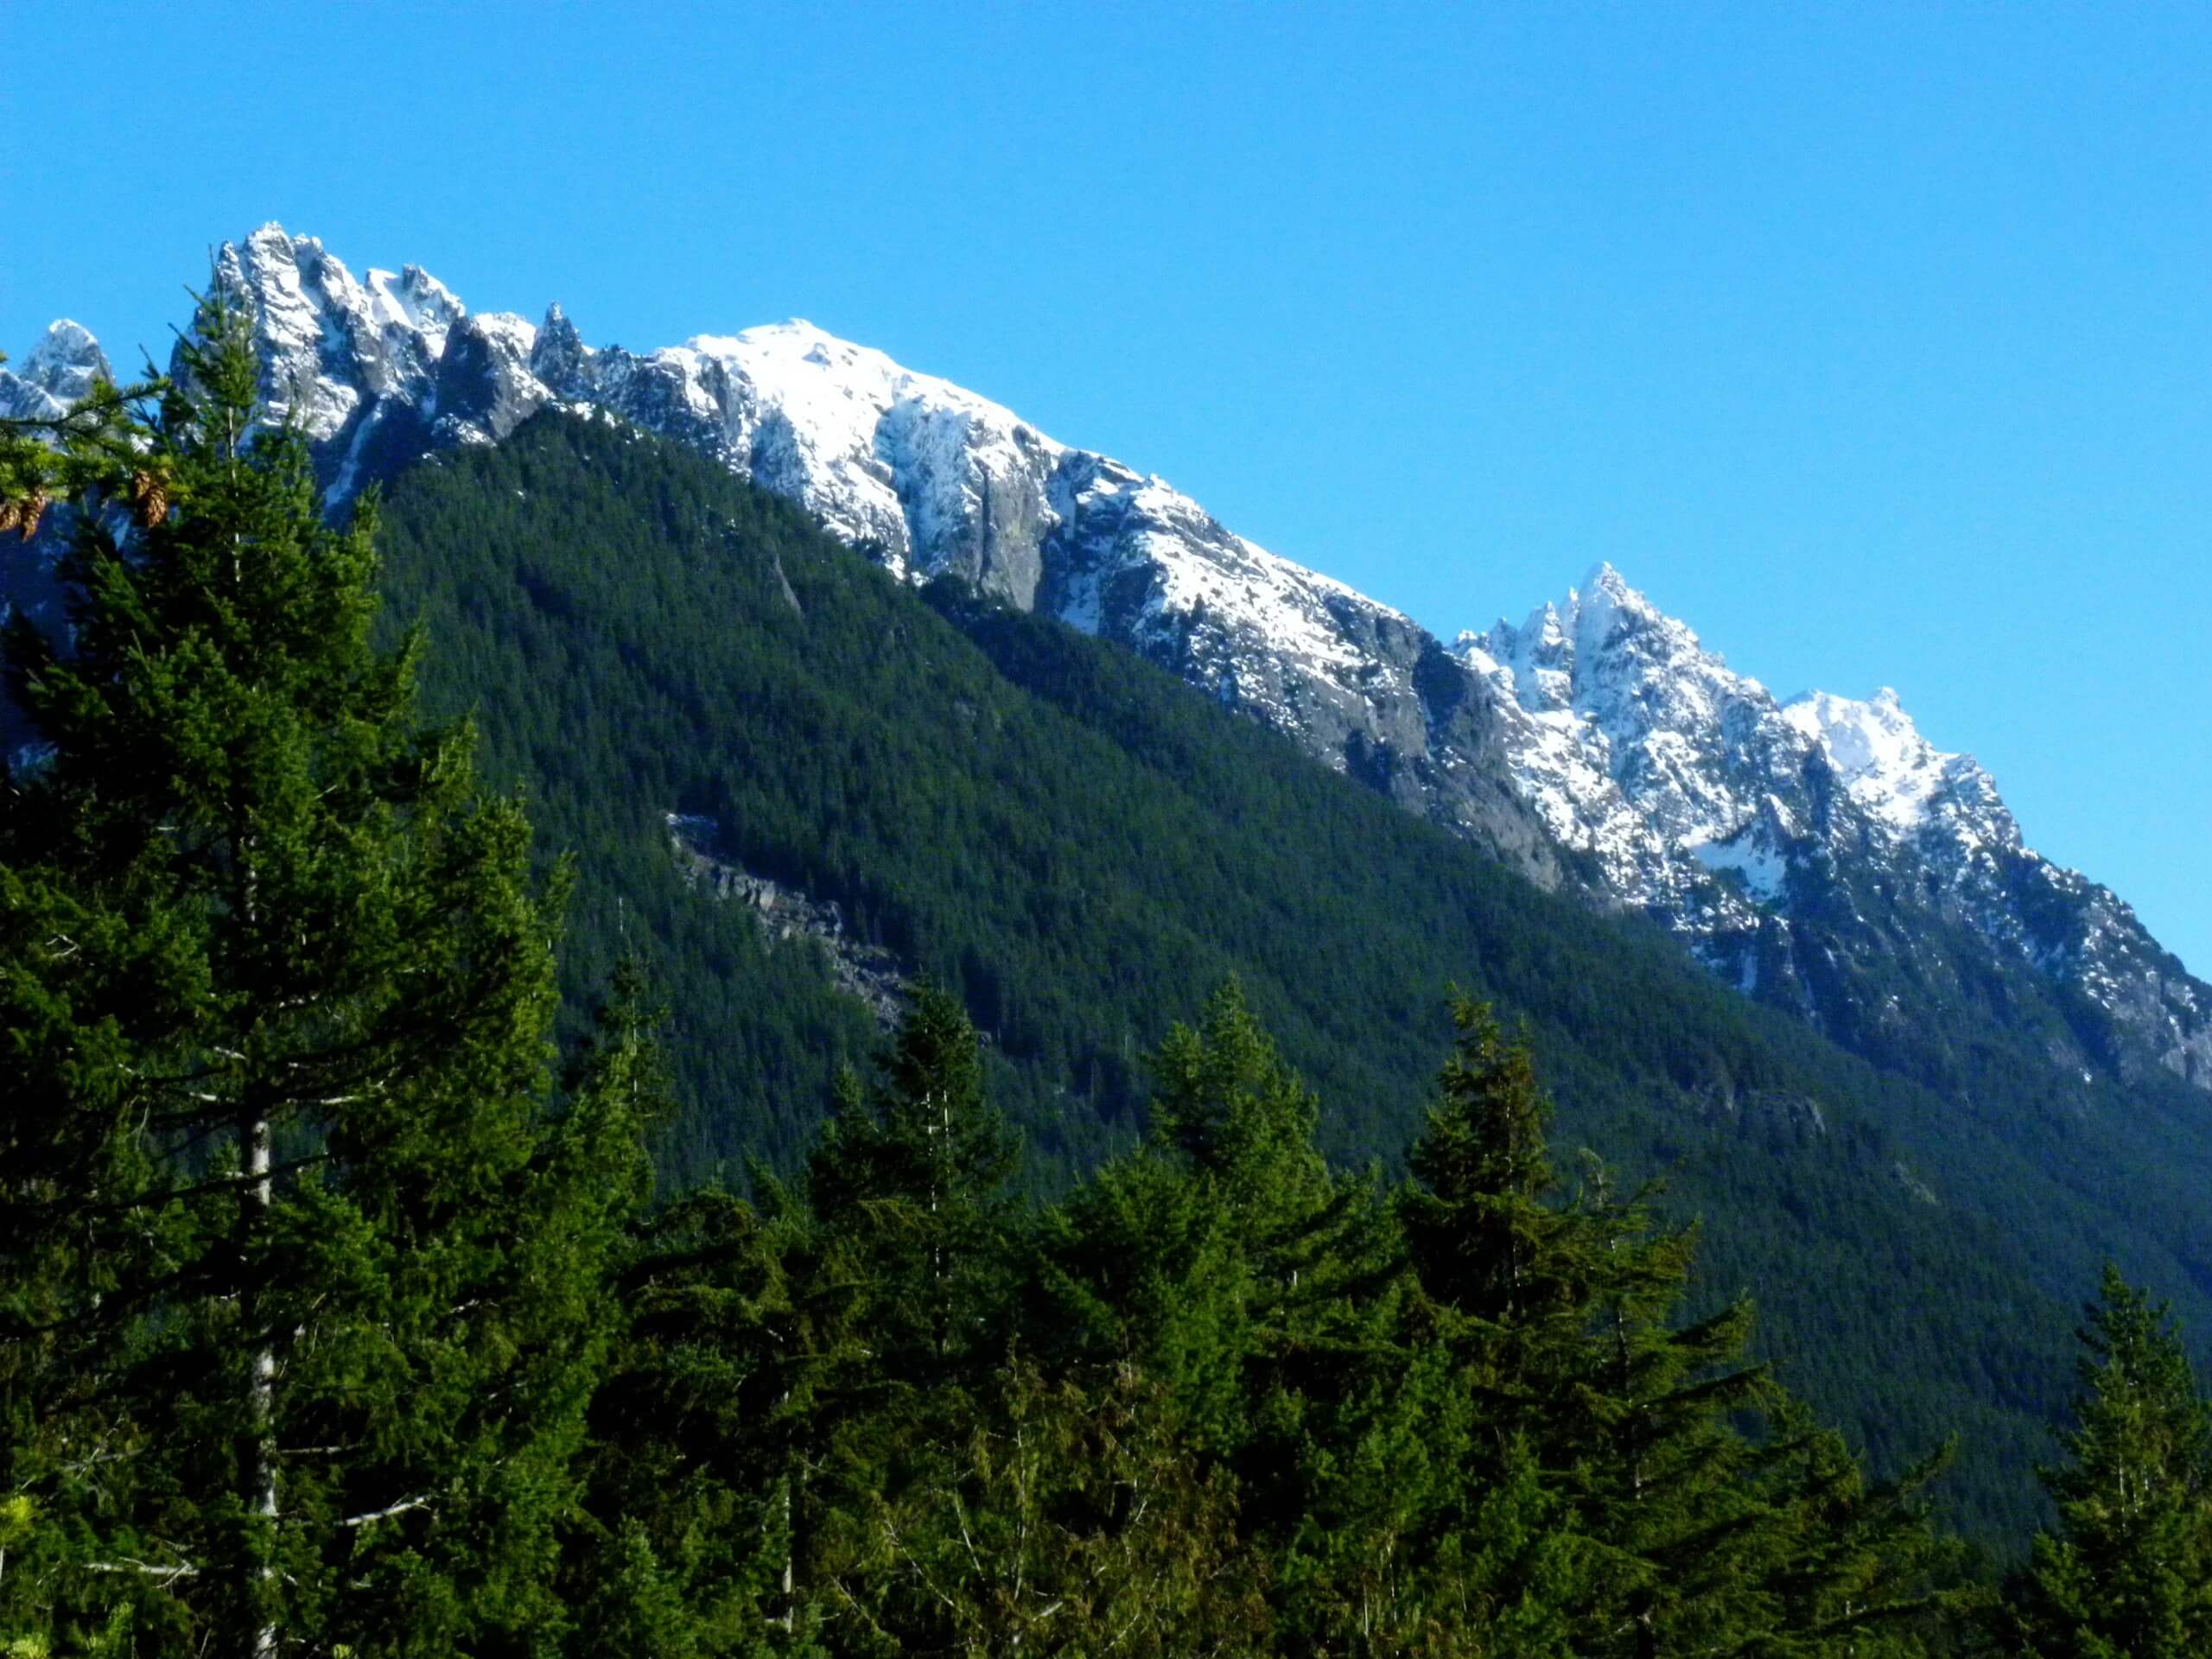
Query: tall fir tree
[
  {"x": 297, "y": 1265},
  {"x": 2129, "y": 1571},
  {"x": 913, "y": 1171},
  {"x": 1262, "y": 1291},
  {"x": 1492, "y": 1245},
  {"x": 1672, "y": 1529}
]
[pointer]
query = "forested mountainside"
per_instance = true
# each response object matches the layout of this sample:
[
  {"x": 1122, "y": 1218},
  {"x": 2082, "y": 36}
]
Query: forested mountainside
[
  {"x": 1820, "y": 855},
  {"x": 341, "y": 1312},
  {"x": 1083, "y": 848}
]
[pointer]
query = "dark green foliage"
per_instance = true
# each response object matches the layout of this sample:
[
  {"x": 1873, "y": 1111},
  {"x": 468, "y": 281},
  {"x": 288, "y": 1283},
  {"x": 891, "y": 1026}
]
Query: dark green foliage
[
  {"x": 2129, "y": 1571},
  {"x": 696, "y": 1438},
  {"x": 1564, "y": 1315},
  {"x": 1349, "y": 1429},
  {"x": 330, "y": 1326},
  {"x": 1491, "y": 1247},
  {"x": 1205, "y": 1403},
  {"x": 299, "y": 1301},
  {"x": 327, "y": 1324},
  {"x": 913, "y": 1173},
  {"x": 1073, "y": 842}
]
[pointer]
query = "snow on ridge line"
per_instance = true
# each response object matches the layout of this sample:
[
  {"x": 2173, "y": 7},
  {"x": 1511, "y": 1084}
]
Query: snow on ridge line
[
  {"x": 797, "y": 342},
  {"x": 1878, "y": 752},
  {"x": 867, "y": 441},
  {"x": 841, "y": 401},
  {"x": 1641, "y": 745},
  {"x": 837, "y": 399}
]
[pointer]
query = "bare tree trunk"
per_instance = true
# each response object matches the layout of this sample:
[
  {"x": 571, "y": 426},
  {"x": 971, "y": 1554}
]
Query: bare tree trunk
[{"x": 257, "y": 1445}]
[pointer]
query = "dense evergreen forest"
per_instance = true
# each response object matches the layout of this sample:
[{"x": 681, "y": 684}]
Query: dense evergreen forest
[
  {"x": 1083, "y": 848},
  {"x": 341, "y": 1311}
]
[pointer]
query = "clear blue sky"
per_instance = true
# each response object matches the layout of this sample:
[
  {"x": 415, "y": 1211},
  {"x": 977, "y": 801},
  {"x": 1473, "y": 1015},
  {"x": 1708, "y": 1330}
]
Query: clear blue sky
[{"x": 1874, "y": 340}]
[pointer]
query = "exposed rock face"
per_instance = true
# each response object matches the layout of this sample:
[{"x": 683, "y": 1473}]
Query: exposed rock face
[
  {"x": 1812, "y": 850},
  {"x": 1820, "y": 853},
  {"x": 59, "y": 371},
  {"x": 867, "y": 973}
]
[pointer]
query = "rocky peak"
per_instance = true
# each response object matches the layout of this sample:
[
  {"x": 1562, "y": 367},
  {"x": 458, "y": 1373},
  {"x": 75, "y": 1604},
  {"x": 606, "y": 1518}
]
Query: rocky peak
[
  {"x": 57, "y": 372},
  {"x": 1605, "y": 608},
  {"x": 330, "y": 346},
  {"x": 560, "y": 360},
  {"x": 1658, "y": 725},
  {"x": 1787, "y": 841},
  {"x": 1895, "y": 774},
  {"x": 415, "y": 303},
  {"x": 485, "y": 388}
]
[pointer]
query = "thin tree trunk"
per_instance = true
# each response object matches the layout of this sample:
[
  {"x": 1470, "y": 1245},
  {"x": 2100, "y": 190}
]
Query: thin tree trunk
[
  {"x": 258, "y": 1443},
  {"x": 257, "y": 1446}
]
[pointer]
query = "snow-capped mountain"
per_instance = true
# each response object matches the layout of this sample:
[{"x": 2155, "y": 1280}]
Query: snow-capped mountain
[
  {"x": 930, "y": 478},
  {"x": 60, "y": 369},
  {"x": 1819, "y": 853}
]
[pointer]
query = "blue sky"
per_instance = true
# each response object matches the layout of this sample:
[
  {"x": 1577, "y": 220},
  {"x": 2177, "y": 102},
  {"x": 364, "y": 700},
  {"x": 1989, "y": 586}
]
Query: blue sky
[{"x": 1876, "y": 341}]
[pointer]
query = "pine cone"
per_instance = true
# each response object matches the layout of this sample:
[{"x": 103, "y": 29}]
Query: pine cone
[
  {"x": 33, "y": 509},
  {"x": 150, "y": 496},
  {"x": 11, "y": 514}
]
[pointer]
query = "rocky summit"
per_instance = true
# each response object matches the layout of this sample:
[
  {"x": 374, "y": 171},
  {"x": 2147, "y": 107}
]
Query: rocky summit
[
  {"x": 60, "y": 369},
  {"x": 1819, "y": 852}
]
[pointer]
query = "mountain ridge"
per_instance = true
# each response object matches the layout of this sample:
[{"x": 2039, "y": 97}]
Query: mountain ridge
[{"x": 1801, "y": 851}]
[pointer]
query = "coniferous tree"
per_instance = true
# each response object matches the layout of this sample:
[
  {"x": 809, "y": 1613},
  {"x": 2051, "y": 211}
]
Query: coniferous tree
[
  {"x": 705, "y": 1436},
  {"x": 907, "y": 1203},
  {"x": 2129, "y": 1571},
  {"x": 298, "y": 1273},
  {"x": 912, "y": 1173},
  {"x": 1674, "y": 1530},
  {"x": 1068, "y": 1517},
  {"x": 1234, "y": 1150},
  {"x": 1649, "y": 1448},
  {"x": 683, "y": 1544},
  {"x": 1262, "y": 1292},
  {"x": 1858, "y": 1567},
  {"x": 1507, "y": 1265}
]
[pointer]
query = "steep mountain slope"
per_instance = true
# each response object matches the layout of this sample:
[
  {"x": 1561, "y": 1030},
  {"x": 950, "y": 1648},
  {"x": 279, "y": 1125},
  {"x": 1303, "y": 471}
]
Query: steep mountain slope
[
  {"x": 1083, "y": 848},
  {"x": 1820, "y": 856},
  {"x": 932, "y": 480},
  {"x": 1809, "y": 854}
]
